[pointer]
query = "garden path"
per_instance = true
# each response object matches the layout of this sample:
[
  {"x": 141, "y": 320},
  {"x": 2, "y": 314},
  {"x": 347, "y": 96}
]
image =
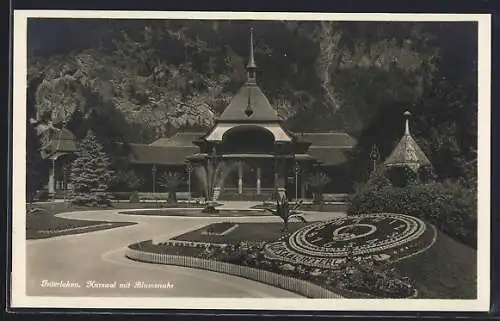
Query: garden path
[{"x": 98, "y": 256}]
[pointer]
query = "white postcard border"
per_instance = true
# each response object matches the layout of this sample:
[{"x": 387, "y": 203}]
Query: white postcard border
[{"x": 19, "y": 299}]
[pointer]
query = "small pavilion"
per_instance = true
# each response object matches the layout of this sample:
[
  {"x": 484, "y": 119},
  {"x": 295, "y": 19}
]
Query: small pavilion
[
  {"x": 58, "y": 153},
  {"x": 407, "y": 153},
  {"x": 250, "y": 133}
]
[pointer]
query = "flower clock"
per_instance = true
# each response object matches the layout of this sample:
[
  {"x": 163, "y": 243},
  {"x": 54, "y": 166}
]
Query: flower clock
[{"x": 379, "y": 237}]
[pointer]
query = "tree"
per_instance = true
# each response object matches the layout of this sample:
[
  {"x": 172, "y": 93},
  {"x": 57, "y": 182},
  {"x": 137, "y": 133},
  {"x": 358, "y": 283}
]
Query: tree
[
  {"x": 158, "y": 76},
  {"x": 378, "y": 179},
  {"x": 317, "y": 182},
  {"x": 402, "y": 176},
  {"x": 91, "y": 174},
  {"x": 127, "y": 179},
  {"x": 171, "y": 181},
  {"x": 286, "y": 211}
]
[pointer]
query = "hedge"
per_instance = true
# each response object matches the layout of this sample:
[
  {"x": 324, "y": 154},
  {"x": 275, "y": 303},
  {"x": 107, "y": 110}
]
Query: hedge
[{"x": 451, "y": 207}]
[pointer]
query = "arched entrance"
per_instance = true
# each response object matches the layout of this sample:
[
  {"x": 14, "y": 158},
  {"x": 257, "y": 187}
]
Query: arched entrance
[
  {"x": 248, "y": 139},
  {"x": 251, "y": 147}
]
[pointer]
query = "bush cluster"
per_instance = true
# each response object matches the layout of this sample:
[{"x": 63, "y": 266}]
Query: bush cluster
[
  {"x": 94, "y": 199},
  {"x": 134, "y": 197},
  {"x": 451, "y": 207}
]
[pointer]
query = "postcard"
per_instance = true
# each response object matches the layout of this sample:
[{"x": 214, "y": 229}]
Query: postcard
[{"x": 251, "y": 161}]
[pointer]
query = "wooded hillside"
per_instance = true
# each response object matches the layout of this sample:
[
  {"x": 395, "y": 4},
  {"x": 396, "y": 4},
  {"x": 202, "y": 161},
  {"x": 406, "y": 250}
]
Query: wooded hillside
[{"x": 139, "y": 80}]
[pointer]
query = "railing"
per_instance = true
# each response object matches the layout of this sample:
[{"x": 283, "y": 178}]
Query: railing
[{"x": 301, "y": 287}]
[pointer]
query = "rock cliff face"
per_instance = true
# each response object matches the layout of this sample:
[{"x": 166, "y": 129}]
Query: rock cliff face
[{"x": 137, "y": 81}]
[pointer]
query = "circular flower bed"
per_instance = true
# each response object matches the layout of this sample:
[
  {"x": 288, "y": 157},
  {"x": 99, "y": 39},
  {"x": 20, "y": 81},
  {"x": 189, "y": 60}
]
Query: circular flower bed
[
  {"x": 361, "y": 279},
  {"x": 376, "y": 237}
]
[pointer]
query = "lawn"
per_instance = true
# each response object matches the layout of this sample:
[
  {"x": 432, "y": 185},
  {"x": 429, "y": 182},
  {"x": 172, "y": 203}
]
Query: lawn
[
  {"x": 446, "y": 270},
  {"x": 44, "y": 224},
  {"x": 244, "y": 232}
]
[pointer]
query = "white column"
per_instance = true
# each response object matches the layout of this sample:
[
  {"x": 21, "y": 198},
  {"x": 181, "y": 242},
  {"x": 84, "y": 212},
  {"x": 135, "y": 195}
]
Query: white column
[
  {"x": 240, "y": 178},
  {"x": 258, "y": 180},
  {"x": 52, "y": 180}
]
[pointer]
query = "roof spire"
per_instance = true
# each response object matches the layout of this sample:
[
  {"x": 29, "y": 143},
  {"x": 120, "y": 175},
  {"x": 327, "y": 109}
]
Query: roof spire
[
  {"x": 407, "y": 115},
  {"x": 251, "y": 66}
]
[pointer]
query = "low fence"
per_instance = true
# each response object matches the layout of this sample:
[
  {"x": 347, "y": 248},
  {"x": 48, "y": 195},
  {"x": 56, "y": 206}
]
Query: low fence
[
  {"x": 155, "y": 196},
  {"x": 301, "y": 287}
]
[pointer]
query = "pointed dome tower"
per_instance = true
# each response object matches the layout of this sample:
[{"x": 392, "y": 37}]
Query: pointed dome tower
[
  {"x": 249, "y": 107},
  {"x": 250, "y": 103},
  {"x": 407, "y": 152}
]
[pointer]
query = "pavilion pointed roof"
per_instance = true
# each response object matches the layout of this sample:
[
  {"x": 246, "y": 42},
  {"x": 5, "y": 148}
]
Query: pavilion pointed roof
[
  {"x": 249, "y": 103},
  {"x": 407, "y": 152}
]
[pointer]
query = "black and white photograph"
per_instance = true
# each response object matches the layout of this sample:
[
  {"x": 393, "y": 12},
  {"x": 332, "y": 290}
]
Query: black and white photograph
[{"x": 251, "y": 161}]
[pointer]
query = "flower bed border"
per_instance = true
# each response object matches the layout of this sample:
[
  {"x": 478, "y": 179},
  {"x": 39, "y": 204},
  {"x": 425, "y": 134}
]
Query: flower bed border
[
  {"x": 72, "y": 229},
  {"x": 291, "y": 284}
]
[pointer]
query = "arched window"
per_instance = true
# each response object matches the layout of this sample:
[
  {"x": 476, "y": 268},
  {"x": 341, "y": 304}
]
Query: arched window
[{"x": 248, "y": 139}]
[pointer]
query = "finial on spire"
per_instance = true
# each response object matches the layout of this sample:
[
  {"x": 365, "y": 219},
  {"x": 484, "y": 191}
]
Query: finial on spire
[
  {"x": 407, "y": 115},
  {"x": 251, "y": 66}
]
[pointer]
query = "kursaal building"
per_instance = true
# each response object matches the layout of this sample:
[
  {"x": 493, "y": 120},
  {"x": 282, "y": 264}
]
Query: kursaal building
[{"x": 249, "y": 134}]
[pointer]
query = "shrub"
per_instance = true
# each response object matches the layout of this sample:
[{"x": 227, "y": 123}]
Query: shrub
[
  {"x": 41, "y": 196},
  {"x": 401, "y": 176},
  {"x": 378, "y": 179},
  {"x": 380, "y": 281},
  {"x": 171, "y": 181},
  {"x": 317, "y": 182},
  {"x": 134, "y": 197},
  {"x": 451, "y": 207}
]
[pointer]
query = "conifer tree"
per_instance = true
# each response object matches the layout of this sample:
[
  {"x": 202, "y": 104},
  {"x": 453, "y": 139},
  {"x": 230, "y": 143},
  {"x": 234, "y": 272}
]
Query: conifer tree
[{"x": 91, "y": 174}]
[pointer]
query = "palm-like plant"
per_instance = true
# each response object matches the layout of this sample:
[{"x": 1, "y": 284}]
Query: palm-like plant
[
  {"x": 286, "y": 211},
  {"x": 171, "y": 181},
  {"x": 317, "y": 182},
  {"x": 212, "y": 177}
]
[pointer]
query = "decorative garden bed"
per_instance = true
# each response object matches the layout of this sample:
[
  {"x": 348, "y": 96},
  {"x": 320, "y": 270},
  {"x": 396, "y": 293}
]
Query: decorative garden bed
[
  {"x": 350, "y": 256},
  {"x": 247, "y": 259},
  {"x": 289, "y": 283},
  {"x": 253, "y": 232},
  {"x": 47, "y": 225},
  {"x": 220, "y": 228}
]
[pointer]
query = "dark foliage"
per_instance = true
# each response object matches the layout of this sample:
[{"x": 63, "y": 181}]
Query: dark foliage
[
  {"x": 401, "y": 176},
  {"x": 134, "y": 197},
  {"x": 91, "y": 174},
  {"x": 451, "y": 207},
  {"x": 153, "y": 77}
]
